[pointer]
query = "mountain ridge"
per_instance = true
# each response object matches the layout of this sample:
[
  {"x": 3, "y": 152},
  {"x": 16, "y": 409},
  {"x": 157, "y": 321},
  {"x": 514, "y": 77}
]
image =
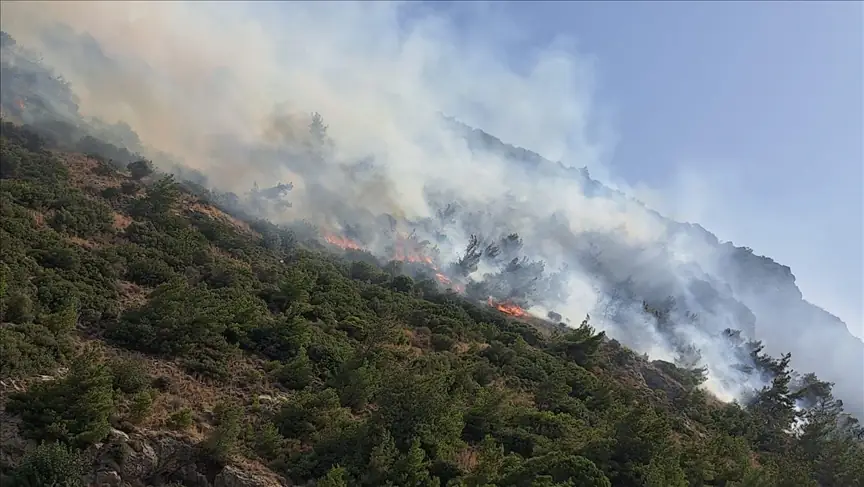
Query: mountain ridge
[
  {"x": 161, "y": 332},
  {"x": 775, "y": 281},
  {"x": 748, "y": 281}
]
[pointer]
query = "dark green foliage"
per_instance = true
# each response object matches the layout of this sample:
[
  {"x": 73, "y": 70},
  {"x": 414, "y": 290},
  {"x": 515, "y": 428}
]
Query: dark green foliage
[
  {"x": 79, "y": 215},
  {"x": 189, "y": 322},
  {"x": 559, "y": 468},
  {"x": 73, "y": 409},
  {"x": 225, "y": 438},
  {"x": 181, "y": 419},
  {"x": 267, "y": 442},
  {"x": 130, "y": 375},
  {"x": 30, "y": 348},
  {"x": 579, "y": 345},
  {"x": 104, "y": 150},
  {"x": 336, "y": 477},
  {"x": 160, "y": 199},
  {"x": 298, "y": 372},
  {"x": 139, "y": 405},
  {"x": 385, "y": 379},
  {"x": 53, "y": 464},
  {"x": 140, "y": 169}
]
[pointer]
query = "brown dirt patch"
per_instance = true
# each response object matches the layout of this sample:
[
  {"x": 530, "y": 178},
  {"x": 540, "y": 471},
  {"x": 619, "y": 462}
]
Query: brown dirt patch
[
  {"x": 218, "y": 214},
  {"x": 131, "y": 295},
  {"x": 38, "y": 217},
  {"x": 467, "y": 459},
  {"x": 84, "y": 172},
  {"x": 81, "y": 242},
  {"x": 121, "y": 221}
]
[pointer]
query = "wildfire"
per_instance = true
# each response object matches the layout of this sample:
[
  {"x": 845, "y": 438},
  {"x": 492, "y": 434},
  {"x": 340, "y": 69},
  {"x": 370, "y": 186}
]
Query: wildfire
[
  {"x": 342, "y": 242},
  {"x": 508, "y": 308},
  {"x": 20, "y": 103},
  {"x": 408, "y": 249},
  {"x": 448, "y": 282},
  {"x": 406, "y": 257}
]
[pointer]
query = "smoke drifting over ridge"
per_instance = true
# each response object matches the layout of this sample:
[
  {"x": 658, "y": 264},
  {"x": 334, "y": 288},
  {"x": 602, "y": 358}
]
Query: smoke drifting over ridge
[{"x": 227, "y": 89}]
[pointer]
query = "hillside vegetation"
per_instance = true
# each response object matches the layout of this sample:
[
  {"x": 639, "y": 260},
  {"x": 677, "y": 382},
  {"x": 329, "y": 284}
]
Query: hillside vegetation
[{"x": 139, "y": 320}]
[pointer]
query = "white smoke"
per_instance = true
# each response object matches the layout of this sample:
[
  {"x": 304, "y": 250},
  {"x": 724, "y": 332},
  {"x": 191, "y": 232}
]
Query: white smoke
[{"x": 215, "y": 84}]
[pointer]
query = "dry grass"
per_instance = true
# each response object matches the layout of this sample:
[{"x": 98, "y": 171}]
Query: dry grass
[
  {"x": 417, "y": 339},
  {"x": 38, "y": 218},
  {"x": 261, "y": 473},
  {"x": 183, "y": 390},
  {"x": 81, "y": 242},
  {"x": 131, "y": 295},
  {"x": 467, "y": 459},
  {"x": 84, "y": 172},
  {"x": 470, "y": 347},
  {"x": 217, "y": 214},
  {"x": 14, "y": 445},
  {"x": 121, "y": 221}
]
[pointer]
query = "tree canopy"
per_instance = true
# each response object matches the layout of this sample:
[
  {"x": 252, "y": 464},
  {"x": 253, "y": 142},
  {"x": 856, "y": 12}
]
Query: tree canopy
[{"x": 383, "y": 379}]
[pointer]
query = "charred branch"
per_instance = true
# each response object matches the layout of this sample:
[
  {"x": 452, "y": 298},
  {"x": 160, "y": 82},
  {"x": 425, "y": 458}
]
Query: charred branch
[{"x": 469, "y": 261}]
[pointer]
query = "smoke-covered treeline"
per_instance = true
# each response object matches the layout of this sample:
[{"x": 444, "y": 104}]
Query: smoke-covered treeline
[
  {"x": 201, "y": 346},
  {"x": 382, "y": 170}
]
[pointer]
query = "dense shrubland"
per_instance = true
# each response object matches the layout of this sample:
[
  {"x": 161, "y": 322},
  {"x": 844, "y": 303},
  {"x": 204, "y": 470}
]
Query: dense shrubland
[{"x": 335, "y": 371}]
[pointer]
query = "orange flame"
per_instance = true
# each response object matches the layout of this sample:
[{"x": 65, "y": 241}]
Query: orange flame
[
  {"x": 448, "y": 282},
  {"x": 407, "y": 249},
  {"x": 508, "y": 308},
  {"x": 20, "y": 103},
  {"x": 342, "y": 242},
  {"x": 408, "y": 257},
  {"x": 443, "y": 279}
]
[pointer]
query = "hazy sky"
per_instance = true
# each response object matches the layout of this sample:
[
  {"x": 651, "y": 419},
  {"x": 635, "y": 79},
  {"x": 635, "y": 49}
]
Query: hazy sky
[{"x": 747, "y": 115}]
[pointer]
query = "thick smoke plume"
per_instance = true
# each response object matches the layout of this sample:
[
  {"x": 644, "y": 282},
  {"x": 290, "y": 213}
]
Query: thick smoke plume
[{"x": 233, "y": 92}]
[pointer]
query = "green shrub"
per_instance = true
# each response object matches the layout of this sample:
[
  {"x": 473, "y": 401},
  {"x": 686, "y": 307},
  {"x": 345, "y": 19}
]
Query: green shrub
[
  {"x": 74, "y": 409},
  {"x": 181, "y": 419},
  {"x": 140, "y": 405},
  {"x": 49, "y": 464},
  {"x": 130, "y": 375},
  {"x": 225, "y": 438}
]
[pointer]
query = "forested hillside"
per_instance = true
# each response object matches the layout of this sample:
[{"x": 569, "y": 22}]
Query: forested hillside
[
  {"x": 150, "y": 338},
  {"x": 542, "y": 237}
]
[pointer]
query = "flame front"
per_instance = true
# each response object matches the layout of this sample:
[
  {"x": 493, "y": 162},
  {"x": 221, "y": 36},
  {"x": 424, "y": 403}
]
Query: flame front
[
  {"x": 408, "y": 249},
  {"x": 508, "y": 308},
  {"x": 342, "y": 242}
]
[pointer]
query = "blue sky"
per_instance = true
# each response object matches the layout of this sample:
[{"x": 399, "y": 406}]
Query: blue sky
[
  {"x": 760, "y": 103},
  {"x": 745, "y": 116}
]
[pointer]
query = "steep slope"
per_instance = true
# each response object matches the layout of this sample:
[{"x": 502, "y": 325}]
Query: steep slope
[
  {"x": 726, "y": 286},
  {"x": 150, "y": 338},
  {"x": 760, "y": 293}
]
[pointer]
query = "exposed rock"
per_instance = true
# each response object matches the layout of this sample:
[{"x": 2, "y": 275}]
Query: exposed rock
[
  {"x": 189, "y": 476},
  {"x": 12, "y": 444},
  {"x": 158, "y": 458},
  {"x": 108, "y": 478},
  {"x": 233, "y": 477},
  {"x": 657, "y": 378},
  {"x": 142, "y": 456},
  {"x": 115, "y": 434}
]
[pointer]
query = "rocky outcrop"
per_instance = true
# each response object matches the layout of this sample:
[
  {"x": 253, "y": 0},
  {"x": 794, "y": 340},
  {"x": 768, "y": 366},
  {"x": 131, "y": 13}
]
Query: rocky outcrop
[
  {"x": 746, "y": 291},
  {"x": 660, "y": 376},
  {"x": 145, "y": 458},
  {"x": 231, "y": 476}
]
